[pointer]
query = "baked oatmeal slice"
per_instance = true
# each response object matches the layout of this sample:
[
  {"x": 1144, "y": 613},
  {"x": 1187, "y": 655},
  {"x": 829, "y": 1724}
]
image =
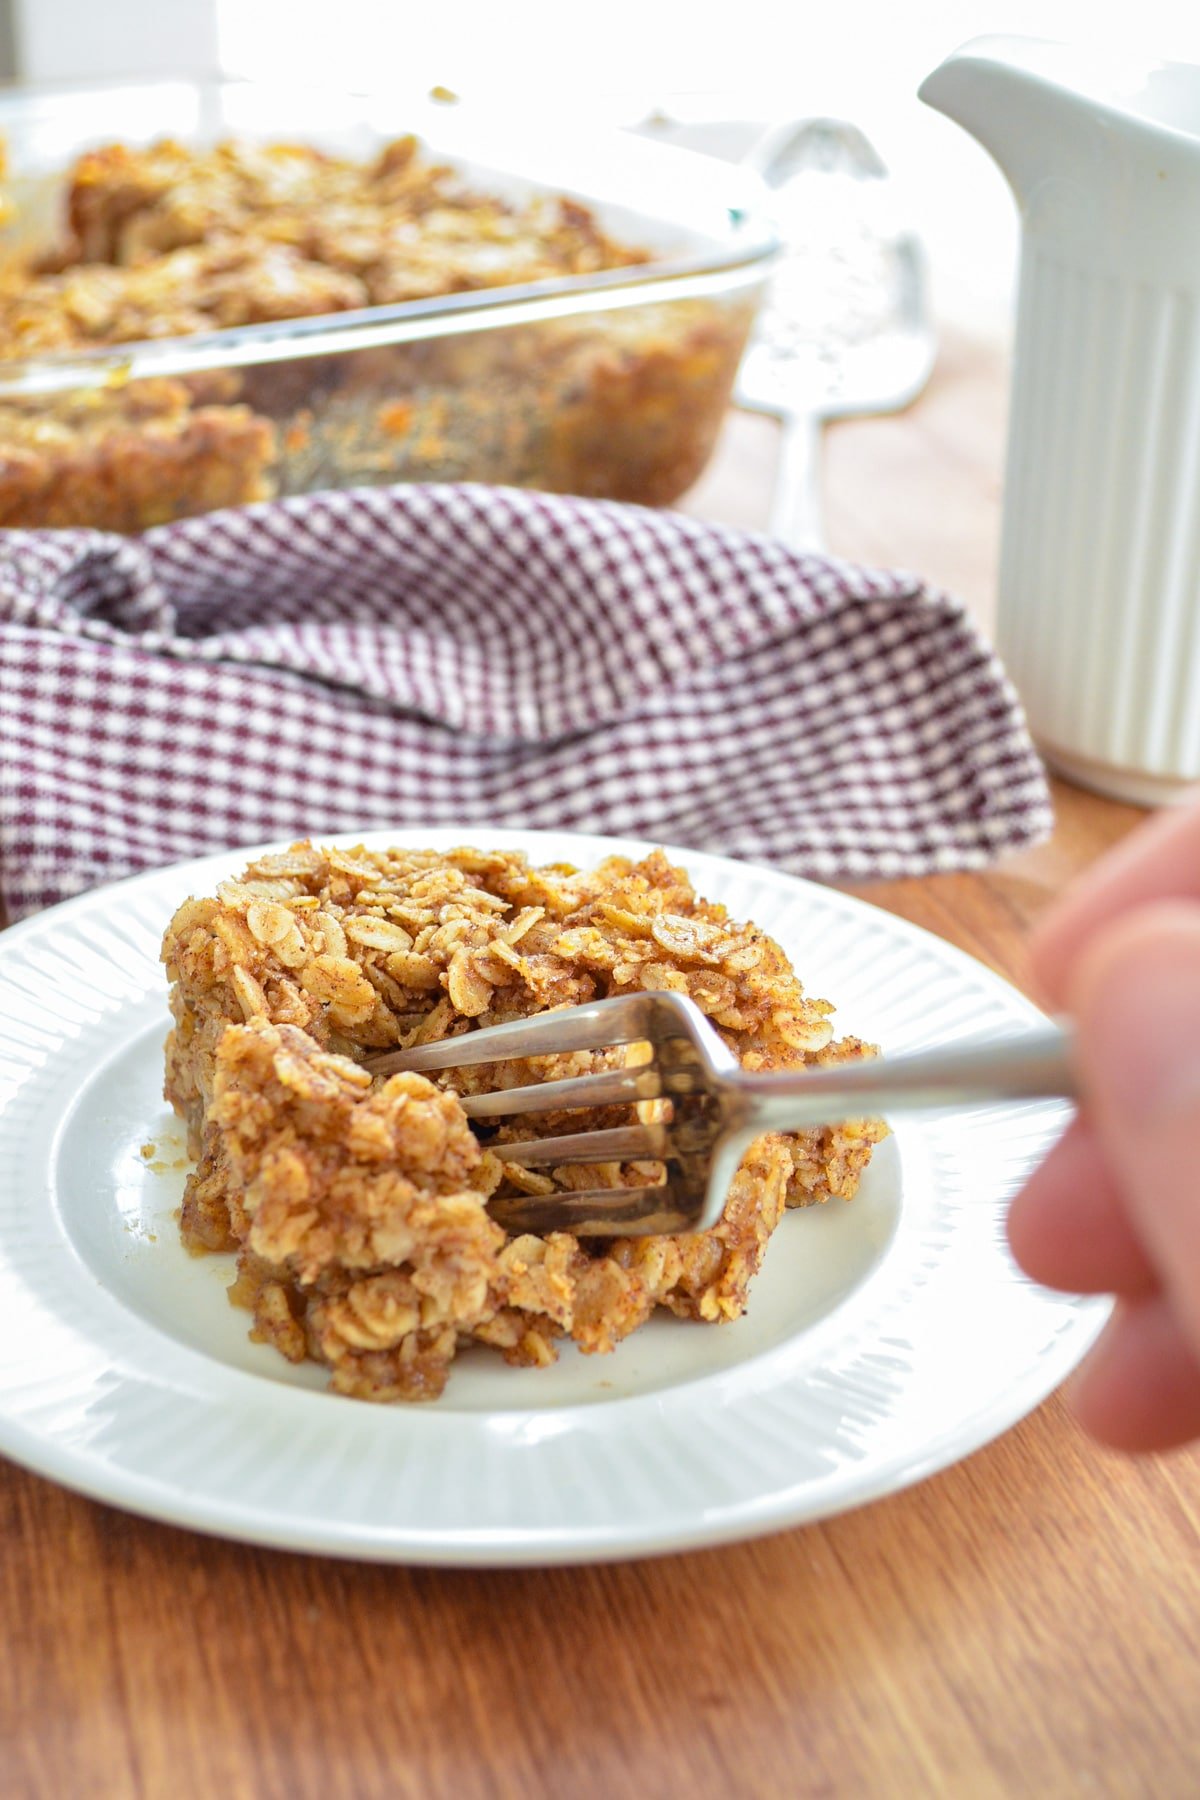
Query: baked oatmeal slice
[
  {"x": 316, "y": 956},
  {"x": 359, "y": 1207}
]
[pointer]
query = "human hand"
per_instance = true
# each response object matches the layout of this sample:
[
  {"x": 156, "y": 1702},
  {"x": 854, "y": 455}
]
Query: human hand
[{"x": 1115, "y": 1208}]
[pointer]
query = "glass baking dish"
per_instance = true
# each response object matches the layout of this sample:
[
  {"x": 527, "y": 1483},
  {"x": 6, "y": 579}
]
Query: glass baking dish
[{"x": 611, "y": 384}]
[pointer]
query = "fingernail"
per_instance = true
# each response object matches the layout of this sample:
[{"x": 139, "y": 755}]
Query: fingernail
[{"x": 1137, "y": 1005}]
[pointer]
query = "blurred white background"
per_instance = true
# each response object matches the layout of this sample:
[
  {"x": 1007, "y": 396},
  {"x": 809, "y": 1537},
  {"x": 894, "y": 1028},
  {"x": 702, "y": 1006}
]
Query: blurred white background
[{"x": 750, "y": 61}]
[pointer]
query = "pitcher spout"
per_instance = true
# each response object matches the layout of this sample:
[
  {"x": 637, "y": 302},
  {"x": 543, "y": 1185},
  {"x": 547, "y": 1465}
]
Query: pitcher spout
[{"x": 1037, "y": 107}]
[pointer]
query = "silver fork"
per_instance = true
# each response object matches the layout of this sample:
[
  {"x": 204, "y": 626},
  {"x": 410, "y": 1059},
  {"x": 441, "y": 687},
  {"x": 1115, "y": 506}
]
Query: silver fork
[{"x": 717, "y": 1107}]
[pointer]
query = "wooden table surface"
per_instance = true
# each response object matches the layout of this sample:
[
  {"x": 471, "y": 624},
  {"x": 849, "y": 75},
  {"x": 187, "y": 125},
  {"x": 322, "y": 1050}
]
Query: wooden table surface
[{"x": 1027, "y": 1622}]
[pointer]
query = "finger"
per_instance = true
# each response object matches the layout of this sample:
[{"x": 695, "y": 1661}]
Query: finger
[
  {"x": 1068, "y": 1227},
  {"x": 1159, "y": 862},
  {"x": 1136, "y": 1002},
  {"x": 1139, "y": 1389}
]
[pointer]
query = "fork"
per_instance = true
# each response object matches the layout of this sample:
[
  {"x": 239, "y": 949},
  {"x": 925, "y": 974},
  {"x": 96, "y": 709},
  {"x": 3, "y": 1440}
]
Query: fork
[{"x": 717, "y": 1107}]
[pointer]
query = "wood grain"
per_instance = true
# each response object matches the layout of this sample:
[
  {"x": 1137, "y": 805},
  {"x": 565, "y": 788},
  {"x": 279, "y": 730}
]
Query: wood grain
[{"x": 1023, "y": 1623}]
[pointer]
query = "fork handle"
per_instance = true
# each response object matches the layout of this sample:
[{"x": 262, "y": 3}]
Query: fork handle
[{"x": 1035, "y": 1066}]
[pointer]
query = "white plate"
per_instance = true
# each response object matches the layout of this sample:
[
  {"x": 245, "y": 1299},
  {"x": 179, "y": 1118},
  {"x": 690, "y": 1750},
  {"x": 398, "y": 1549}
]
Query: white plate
[{"x": 884, "y": 1340}]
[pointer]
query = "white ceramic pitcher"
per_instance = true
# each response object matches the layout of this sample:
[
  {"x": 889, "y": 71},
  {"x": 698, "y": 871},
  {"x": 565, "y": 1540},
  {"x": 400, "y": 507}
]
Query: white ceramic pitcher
[{"x": 1099, "y": 605}]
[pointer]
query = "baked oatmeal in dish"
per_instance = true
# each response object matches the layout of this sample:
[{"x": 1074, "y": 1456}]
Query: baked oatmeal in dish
[
  {"x": 357, "y": 1205},
  {"x": 161, "y": 243}
]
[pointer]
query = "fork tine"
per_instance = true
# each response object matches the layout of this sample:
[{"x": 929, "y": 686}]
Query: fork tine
[
  {"x": 623, "y": 1143},
  {"x": 591, "y": 1027},
  {"x": 595, "y": 1212},
  {"x": 610, "y": 1088}
]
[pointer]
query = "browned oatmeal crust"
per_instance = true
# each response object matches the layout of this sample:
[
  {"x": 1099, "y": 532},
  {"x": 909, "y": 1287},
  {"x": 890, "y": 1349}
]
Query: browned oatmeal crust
[{"x": 358, "y": 1205}]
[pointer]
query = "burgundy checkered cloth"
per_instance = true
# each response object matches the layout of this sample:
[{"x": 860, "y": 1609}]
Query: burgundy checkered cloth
[{"x": 483, "y": 657}]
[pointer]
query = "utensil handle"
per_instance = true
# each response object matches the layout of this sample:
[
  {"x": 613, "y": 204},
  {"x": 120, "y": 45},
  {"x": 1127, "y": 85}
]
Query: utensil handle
[
  {"x": 796, "y": 503},
  {"x": 1035, "y": 1066}
]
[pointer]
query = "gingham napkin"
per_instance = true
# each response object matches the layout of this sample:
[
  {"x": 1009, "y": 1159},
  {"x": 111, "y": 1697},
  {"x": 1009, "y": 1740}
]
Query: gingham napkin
[{"x": 482, "y": 657}]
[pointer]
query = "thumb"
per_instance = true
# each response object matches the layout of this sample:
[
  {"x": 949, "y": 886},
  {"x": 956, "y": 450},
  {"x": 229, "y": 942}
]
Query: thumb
[{"x": 1135, "y": 996}]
